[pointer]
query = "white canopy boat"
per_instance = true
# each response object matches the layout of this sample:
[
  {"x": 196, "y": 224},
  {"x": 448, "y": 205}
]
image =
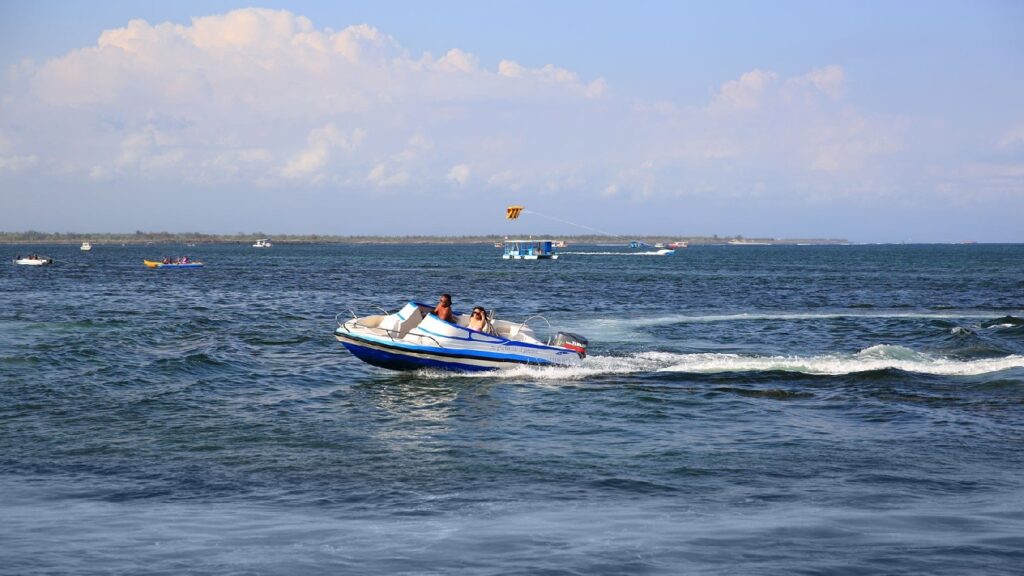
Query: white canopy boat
[
  {"x": 529, "y": 250},
  {"x": 415, "y": 338},
  {"x": 85, "y": 247},
  {"x": 33, "y": 261},
  {"x": 262, "y": 243}
]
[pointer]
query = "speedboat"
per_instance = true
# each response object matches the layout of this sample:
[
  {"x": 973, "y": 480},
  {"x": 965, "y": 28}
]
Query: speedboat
[
  {"x": 180, "y": 264},
  {"x": 33, "y": 261},
  {"x": 415, "y": 338}
]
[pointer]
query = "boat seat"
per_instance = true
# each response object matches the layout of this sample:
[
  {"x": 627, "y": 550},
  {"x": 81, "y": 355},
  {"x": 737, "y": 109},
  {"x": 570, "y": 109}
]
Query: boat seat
[{"x": 398, "y": 324}]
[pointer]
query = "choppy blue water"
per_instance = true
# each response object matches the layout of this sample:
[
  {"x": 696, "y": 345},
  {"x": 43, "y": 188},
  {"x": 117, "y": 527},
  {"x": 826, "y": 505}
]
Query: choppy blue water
[{"x": 754, "y": 409}]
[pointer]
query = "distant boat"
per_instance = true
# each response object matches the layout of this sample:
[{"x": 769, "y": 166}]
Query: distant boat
[
  {"x": 639, "y": 244},
  {"x": 499, "y": 244},
  {"x": 33, "y": 260},
  {"x": 529, "y": 250},
  {"x": 558, "y": 243},
  {"x": 747, "y": 243},
  {"x": 659, "y": 245},
  {"x": 677, "y": 245},
  {"x": 262, "y": 243},
  {"x": 184, "y": 263},
  {"x": 86, "y": 247}
]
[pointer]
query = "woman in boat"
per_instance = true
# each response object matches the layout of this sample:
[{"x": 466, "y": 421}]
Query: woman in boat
[{"x": 478, "y": 321}]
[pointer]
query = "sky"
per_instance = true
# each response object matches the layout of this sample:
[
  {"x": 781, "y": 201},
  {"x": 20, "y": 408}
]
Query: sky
[{"x": 867, "y": 120}]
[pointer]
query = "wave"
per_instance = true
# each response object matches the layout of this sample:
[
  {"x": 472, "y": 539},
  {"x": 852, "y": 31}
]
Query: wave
[
  {"x": 1003, "y": 322},
  {"x": 874, "y": 358}
]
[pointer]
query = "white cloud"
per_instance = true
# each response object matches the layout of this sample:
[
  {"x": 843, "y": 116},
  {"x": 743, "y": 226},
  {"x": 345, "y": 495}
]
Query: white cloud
[
  {"x": 271, "y": 81},
  {"x": 253, "y": 60},
  {"x": 830, "y": 80},
  {"x": 745, "y": 93},
  {"x": 459, "y": 174},
  {"x": 506, "y": 180},
  {"x": 458, "y": 61},
  {"x": 321, "y": 143},
  {"x": 15, "y": 164},
  {"x": 1011, "y": 138},
  {"x": 384, "y": 177},
  {"x": 800, "y": 124}
]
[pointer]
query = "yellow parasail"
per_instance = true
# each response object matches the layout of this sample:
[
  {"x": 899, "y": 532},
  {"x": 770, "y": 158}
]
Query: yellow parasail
[{"x": 513, "y": 212}]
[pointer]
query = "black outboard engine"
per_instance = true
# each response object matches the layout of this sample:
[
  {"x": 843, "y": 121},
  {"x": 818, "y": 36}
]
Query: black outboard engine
[{"x": 574, "y": 342}]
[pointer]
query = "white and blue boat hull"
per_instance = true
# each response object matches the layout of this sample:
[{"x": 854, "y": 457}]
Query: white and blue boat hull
[{"x": 404, "y": 341}]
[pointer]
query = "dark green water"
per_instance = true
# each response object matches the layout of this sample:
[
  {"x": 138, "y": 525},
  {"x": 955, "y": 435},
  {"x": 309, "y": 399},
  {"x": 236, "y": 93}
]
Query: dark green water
[{"x": 755, "y": 409}]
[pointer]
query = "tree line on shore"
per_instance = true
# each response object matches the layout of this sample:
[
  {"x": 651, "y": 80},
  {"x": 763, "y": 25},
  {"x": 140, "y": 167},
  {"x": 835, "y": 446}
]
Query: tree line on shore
[{"x": 141, "y": 237}]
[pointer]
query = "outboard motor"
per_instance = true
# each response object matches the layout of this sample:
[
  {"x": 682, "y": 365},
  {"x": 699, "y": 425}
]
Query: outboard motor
[{"x": 574, "y": 342}]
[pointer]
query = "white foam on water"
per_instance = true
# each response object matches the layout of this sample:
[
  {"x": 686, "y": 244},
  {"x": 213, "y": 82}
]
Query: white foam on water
[
  {"x": 879, "y": 357},
  {"x": 616, "y": 253},
  {"x": 622, "y": 329},
  {"x": 745, "y": 317}
]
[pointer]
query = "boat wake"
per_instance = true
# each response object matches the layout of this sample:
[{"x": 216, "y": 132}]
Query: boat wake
[
  {"x": 653, "y": 253},
  {"x": 626, "y": 329},
  {"x": 874, "y": 358},
  {"x": 744, "y": 317}
]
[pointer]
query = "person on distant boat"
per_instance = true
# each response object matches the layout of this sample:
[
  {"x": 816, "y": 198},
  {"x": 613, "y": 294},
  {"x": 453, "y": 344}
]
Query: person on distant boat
[
  {"x": 478, "y": 321},
  {"x": 444, "y": 308}
]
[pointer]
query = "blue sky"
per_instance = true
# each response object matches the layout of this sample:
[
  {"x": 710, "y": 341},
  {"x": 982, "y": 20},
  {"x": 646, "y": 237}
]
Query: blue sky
[{"x": 871, "y": 121}]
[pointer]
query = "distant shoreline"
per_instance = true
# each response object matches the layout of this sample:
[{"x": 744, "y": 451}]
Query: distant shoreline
[{"x": 32, "y": 237}]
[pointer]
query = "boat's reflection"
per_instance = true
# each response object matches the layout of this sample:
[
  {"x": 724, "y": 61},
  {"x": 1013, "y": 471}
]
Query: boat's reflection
[{"x": 414, "y": 407}]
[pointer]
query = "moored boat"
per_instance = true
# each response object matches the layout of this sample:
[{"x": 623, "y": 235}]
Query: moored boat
[
  {"x": 85, "y": 247},
  {"x": 262, "y": 243},
  {"x": 414, "y": 338}
]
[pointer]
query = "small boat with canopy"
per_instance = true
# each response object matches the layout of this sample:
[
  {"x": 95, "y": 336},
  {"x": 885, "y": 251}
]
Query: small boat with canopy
[{"x": 529, "y": 250}]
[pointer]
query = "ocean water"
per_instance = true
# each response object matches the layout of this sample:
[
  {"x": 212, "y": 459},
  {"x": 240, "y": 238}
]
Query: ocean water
[{"x": 745, "y": 409}]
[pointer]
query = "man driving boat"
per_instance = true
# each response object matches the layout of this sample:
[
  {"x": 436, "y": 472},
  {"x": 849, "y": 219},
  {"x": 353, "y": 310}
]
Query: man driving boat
[{"x": 443, "y": 310}]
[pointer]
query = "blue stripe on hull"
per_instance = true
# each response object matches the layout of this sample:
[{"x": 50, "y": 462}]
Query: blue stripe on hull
[{"x": 394, "y": 361}]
